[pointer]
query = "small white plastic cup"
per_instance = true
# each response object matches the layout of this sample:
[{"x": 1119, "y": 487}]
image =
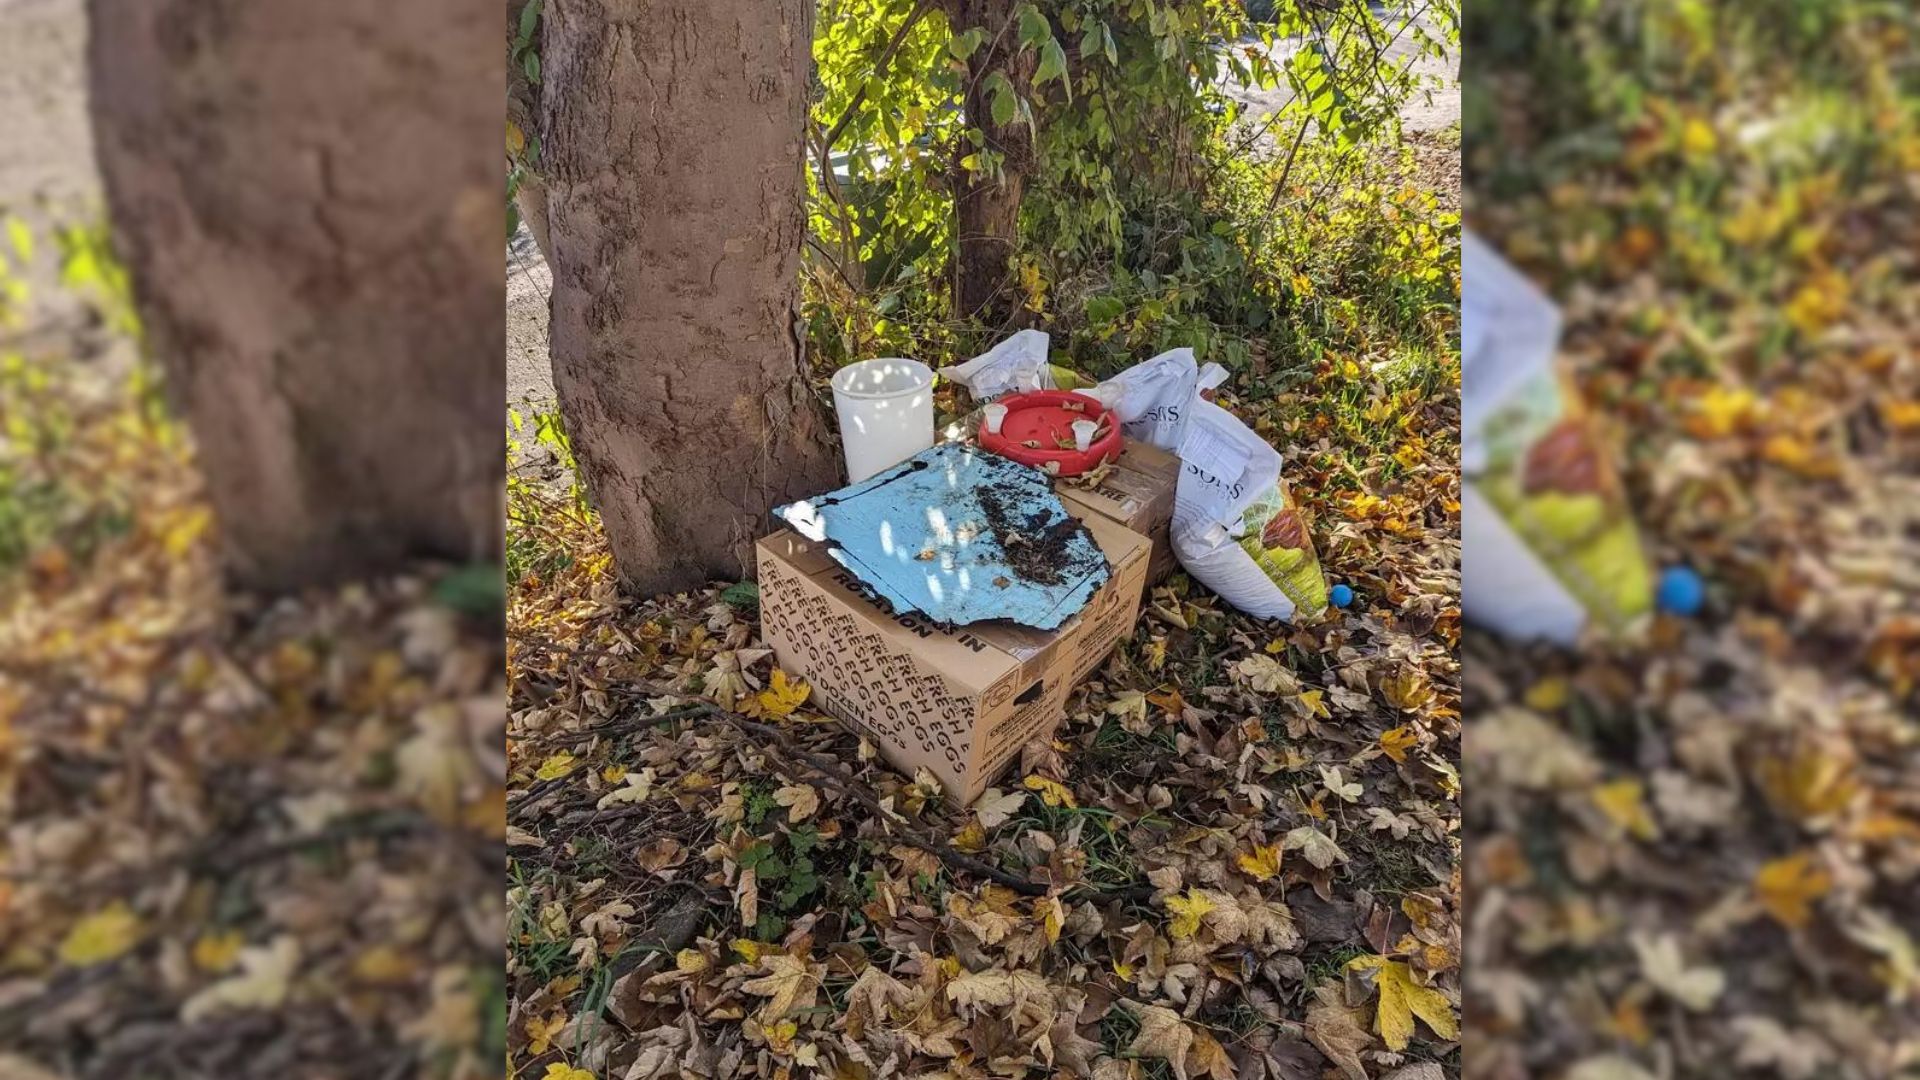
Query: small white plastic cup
[
  {"x": 886, "y": 413},
  {"x": 1083, "y": 434},
  {"x": 994, "y": 416}
]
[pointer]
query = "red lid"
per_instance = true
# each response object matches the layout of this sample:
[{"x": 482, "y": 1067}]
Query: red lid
[{"x": 1038, "y": 430}]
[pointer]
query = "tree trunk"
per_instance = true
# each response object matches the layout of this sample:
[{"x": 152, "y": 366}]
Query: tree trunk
[
  {"x": 308, "y": 197},
  {"x": 987, "y": 208},
  {"x": 673, "y": 150}
]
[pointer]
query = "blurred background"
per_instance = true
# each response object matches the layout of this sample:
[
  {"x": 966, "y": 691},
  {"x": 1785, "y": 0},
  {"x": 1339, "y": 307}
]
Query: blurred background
[
  {"x": 1693, "y": 844},
  {"x": 250, "y": 705}
]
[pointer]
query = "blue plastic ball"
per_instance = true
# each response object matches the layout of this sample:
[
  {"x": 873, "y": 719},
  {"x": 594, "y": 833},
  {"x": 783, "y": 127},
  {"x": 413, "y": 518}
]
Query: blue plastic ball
[
  {"x": 1340, "y": 595},
  {"x": 1681, "y": 591}
]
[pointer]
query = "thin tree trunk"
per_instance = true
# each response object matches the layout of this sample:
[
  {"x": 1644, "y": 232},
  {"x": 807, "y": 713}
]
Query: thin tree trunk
[
  {"x": 673, "y": 151},
  {"x": 987, "y": 207},
  {"x": 314, "y": 232},
  {"x": 523, "y": 111}
]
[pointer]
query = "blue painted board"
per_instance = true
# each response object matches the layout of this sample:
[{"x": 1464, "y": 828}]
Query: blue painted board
[{"x": 962, "y": 536}]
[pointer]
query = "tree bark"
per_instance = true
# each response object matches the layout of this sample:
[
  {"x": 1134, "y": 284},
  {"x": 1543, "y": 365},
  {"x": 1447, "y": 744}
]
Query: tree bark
[
  {"x": 986, "y": 207},
  {"x": 308, "y": 198},
  {"x": 672, "y": 139}
]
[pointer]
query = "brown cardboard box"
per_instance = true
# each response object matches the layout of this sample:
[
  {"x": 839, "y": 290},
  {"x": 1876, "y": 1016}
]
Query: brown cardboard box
[
  {"x": 960, "y": 701},
  {"x": 1138, "y": 493}
]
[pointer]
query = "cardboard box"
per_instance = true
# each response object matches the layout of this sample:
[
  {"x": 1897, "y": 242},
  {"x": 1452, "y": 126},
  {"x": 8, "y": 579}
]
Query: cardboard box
[
  {"x": 1138, "y": 493},
  {"x": 960, "y": 701}
]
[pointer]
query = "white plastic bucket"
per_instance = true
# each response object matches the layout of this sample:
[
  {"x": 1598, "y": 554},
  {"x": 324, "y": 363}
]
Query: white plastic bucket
[{"x": 886, "y": 413}]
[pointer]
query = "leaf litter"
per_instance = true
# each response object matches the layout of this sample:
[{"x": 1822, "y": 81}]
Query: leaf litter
[
  {"x": 1189, "y": 879},
  {"x": 1699, "y": 855}
]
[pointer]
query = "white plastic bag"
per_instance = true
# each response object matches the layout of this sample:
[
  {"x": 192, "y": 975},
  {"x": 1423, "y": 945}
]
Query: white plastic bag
[
  {"x": 1235, "y": 528},
  {"x": 1151, "y": 399},
  {"x": 1549, "y": 543},
  {"x": 1016, "y": 364}
]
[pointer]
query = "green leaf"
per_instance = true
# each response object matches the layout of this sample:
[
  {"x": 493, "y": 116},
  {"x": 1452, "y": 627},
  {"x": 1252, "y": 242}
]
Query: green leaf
[
  {"x": 478, "y": 590},
  {"x": 1053, "y": 65},
  {"x": 529, "y": 18},
  {"x": 531, "y": 65},
  {"x": 962, "y": 46},
  {"x": 1004, "y": 103},
  {"x": 741, "y": 595},
  {"x": 1105, "y": 309},
  {"x": 1034, "y": 27}
]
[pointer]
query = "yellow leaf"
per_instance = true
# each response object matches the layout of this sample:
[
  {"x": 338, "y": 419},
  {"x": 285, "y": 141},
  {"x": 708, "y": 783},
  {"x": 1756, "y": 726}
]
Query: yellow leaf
[
  {"x": 689, "y": 961},
  {"x": 556, "y": 766},
  {"x": 1262, "y": 863},
  {"x": 1395, "y": 742},
  {"x": 1053, "y": 916},
  {"x": 789, "y": 984},
  {"x": 214, "y": 953},
  {"x": 613, "y": 774},
  {"x": 1787, "y": 888},
  {"x": 1187, "y": 913},
  {"x": 1548, "y": 695},
  {"x": 540, "y": 1032},
  {"x": 749, "y": 950},
  {"x": 1697, "y": 139},
  {"x": 384, "y": 965},
  {"x": 516, "y": 139},
  {"x": 781, "y": 697},
  {"x": 1315, "y": 706},
  {"x": 101, "y": 936},
  {"x": 1052, "y": 792},
  {"x": 1402, "y": 999},
  {"x": 1721, "y": 411},
  {"x": 1811, "y": 784},
  {"x": 1901, "y": 416},
  {"x": 560, "y": 1070},
  {"x": 265, "y": 977},
  {"x": 1406, "y": 690},
  {"x": 1625, "y": 804},
  {"x": 971, "y": 839}
]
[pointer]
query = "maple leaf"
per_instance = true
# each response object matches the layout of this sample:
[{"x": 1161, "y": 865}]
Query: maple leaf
[
  {"x": 994, "y": 808},
  {"x": 800, "y": 800},
  {"x": 1407, "y": 690},
  {"x": 1338, "y": 785},
  {"x": 1395, "y": 742},
  {"x": 1787, "y": 887},
  {"x": 540, "y": 1032},
  {"x": 973, "y": 989},
  {"x": 781, "y": 697},
  {"x": 1187, "y": 913},
  {"x": 1052, "y": 792},
  {"x": 1402, "y": 999},
  {"x": 1264, "y": 674},
  {"x": 1319, "y": 849},
  {"x": 266, "y": 972},
  {"x": 555, "y": 766},
  {"x": 104, "y": 935},
  {"x": 1660, "y": 961},
  {"x": 1262, "y": 863},
  {"x": 1337, "y": 1031},
  {"x": 1162, "y": 1035},
  {"x": 1207, "y": 1057},
  {"x": 789, "y": 983},
  {"x": 638, "y": 788},
  {"x": 1129, "y": 705}
]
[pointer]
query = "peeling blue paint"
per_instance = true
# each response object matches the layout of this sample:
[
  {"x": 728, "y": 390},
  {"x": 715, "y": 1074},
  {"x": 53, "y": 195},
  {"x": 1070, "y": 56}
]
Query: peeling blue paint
[{"x": 962, "y": 536}]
